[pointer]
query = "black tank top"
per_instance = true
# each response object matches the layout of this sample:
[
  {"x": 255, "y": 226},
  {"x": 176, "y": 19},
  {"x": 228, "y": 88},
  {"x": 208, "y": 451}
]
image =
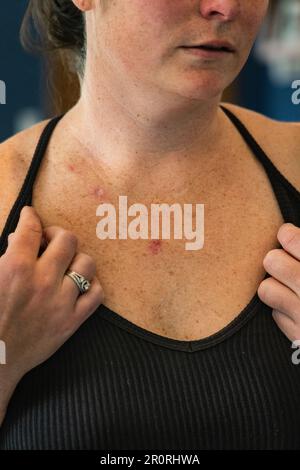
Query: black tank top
[{"x": 114, "y": 385}]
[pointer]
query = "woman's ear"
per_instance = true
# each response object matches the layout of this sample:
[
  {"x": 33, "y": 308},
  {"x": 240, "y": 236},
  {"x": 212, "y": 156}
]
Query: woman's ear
[{"x": 84, "y": 5}]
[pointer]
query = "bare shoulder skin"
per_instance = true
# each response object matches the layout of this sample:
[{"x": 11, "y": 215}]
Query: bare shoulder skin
[
  {"x": 280, "y": 140},
  {"x": 15, "y": 155}
]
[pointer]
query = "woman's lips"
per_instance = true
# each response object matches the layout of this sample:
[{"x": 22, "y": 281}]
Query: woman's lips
[{"x": 207, "y": 53}]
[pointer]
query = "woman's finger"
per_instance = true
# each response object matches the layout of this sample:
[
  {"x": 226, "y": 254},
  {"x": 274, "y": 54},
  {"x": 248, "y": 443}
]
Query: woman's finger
[
  {"x": 280, "y": 297},
  {"x": 84, "y": 265},
  {"x": 283, "y": 267}
]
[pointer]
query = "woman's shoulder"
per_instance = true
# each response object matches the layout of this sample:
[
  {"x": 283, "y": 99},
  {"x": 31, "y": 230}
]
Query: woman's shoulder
[
  {"x": 22, "y": 142},
  {"x": 279, "y": 139},
  {"x": 17, "y": 150},
  {"x": 258, "y": 118},
  {"x": 15, "y": 155}
]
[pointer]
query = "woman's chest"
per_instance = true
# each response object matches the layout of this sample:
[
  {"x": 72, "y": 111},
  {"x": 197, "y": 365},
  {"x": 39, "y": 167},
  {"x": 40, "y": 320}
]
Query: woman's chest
[{"x": 157, "y": 283}]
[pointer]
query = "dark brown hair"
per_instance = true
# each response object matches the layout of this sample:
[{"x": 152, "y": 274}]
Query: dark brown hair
[{"x": 56, "y": 28}]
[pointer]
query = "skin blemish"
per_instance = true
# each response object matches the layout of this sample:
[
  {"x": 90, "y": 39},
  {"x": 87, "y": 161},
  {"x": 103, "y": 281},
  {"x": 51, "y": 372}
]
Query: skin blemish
[
  {"x": 72, "y": 168},
  {"x": 97, "y": 192},
  {"x": 155, "y": 247}
]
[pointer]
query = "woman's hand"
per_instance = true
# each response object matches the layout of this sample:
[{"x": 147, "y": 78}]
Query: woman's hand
[
  {"x": 282, "y": 290},
  {"x": 40, "y": 307}
]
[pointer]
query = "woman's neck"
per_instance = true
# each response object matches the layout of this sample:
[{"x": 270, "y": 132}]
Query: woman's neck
[{"x": 135, "y": 130}]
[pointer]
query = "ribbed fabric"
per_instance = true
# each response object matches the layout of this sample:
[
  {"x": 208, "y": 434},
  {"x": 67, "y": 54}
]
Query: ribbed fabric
[{"x": 114, "y": 385}]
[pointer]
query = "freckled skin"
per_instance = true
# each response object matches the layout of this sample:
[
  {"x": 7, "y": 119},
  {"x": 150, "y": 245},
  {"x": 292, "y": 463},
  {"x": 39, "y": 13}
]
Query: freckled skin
[
  {"x": 155, "y": 247},
  {"x": 97, "y": 192}
]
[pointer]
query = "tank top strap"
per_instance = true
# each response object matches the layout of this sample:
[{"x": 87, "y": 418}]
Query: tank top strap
[
  {"x": 25, "y": 195},
  {"x": 283, "y": 189},
  {"x": 286, "y": 194}
]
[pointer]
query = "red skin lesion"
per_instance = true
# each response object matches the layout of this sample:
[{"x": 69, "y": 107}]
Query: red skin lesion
[
  {"x": 155, "y": 247},
  {"x": 72, "y": 168},
  {"x": 97, "y": 192}
]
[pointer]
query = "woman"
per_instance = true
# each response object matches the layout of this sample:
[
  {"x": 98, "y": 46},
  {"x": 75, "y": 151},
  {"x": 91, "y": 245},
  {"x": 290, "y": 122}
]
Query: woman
[{"x": 164, "y": 350}]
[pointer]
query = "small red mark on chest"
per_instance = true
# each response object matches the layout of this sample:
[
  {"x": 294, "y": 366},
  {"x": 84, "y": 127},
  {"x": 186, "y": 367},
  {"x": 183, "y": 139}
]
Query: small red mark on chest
[
  {"x": 72, "y": 168},
  {"x": 155, "y": 247},
  {"x": 97, "y": 192}
]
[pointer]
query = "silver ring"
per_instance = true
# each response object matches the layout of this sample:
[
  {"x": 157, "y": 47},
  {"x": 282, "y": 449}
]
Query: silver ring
[{"x": 81, "y": 282}]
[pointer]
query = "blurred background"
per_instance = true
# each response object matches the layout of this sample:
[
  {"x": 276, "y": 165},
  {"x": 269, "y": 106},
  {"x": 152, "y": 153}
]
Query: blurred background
[{"x": 269, "y": 82}]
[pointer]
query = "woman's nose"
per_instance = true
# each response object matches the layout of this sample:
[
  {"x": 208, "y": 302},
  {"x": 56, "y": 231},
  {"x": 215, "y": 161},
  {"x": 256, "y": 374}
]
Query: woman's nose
[{"x": 225, "y": 10}]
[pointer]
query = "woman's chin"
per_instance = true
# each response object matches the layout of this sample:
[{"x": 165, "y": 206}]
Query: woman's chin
[
  {"x": 200, "y": 85},
  {"x": 200, "y": 91}
]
